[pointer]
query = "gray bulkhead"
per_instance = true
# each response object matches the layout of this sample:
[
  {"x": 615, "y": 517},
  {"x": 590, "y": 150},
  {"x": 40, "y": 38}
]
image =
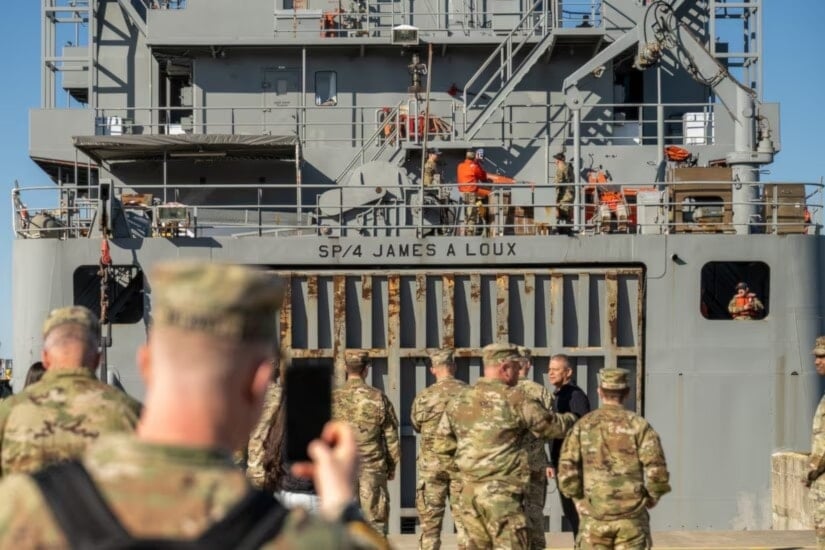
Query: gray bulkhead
[{"x": 723, "y": 395}]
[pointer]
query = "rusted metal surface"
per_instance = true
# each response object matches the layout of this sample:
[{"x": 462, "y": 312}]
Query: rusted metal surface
[
  {"x": 612, "y": 306},
  {"x": 311, "y": 302},
  {"x": 393, "y": 310},
  {"x": 592, "y": 289},
  {"x": 502, "y": 308},
  {"x": 400, "y": 316},
  {"x": 339, "y": 322},
  {"x": 447, "y": 311},
  {"x": 285, "y": 316}
]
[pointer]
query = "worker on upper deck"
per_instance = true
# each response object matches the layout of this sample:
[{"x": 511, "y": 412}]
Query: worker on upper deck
[
  {"x": 564, "y": 192},
  {"x": 432, "y": 172},
  {"x": 469, "y": 175}
]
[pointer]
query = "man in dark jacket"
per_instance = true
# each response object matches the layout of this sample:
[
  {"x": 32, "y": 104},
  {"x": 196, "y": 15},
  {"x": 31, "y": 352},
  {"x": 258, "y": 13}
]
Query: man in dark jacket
[{"x": 568, "y": 398}]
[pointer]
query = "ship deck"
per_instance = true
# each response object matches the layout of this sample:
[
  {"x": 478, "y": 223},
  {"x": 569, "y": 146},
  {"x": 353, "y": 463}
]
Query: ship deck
[{"x": 673, "y": 540}]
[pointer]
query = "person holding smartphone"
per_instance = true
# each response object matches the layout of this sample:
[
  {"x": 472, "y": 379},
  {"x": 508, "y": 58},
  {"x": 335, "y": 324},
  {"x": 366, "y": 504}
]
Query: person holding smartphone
[
  {"x": 206, "y": 365},
  {"x": 372, "y": 417}
]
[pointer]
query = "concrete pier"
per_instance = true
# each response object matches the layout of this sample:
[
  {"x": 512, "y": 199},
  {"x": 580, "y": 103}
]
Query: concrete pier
[{"x": 673, "y": 540}]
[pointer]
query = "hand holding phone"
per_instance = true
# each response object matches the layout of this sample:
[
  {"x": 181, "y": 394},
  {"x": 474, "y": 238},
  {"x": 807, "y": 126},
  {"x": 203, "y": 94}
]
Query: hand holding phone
[{"x": 307, "y": 394}]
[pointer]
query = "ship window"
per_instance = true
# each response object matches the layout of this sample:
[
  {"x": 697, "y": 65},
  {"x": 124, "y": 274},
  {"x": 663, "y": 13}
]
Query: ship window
[
  {"x": 720, "y": 297},
  {"x": 125, "y": 292},
  {"x": 326, "y": 88}
]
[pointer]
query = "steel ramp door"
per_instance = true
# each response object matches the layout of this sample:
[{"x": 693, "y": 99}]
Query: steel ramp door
[{"x": 593, "y": 314}]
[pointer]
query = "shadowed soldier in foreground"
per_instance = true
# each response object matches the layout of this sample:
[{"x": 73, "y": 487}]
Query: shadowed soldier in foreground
[
  {"x": 68, "y": 408},
  {"x": 436, "y": 476},
  {"x": 206, "y": 365},
  {"x": 613, "y": 467},
  {"x": 371, "y": 415}
]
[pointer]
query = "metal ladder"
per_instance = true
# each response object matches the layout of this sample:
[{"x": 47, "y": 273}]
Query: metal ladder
[
  {"x": 391, "y": 141},
  {"x": 495, "y": 89}
]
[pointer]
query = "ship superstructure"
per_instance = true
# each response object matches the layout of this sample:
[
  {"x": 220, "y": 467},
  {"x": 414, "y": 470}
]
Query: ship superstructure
[{"x": 291, "y": 135}]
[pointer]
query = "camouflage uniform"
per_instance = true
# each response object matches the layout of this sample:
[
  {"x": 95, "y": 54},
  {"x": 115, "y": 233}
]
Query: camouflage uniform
[
  {"x": 435, "y": 480},
  {"x": 535, "y": 492},
  {"x": 67, "y": 409},
  {"x": 174, "y": 490},
  {"x": 815, "y": 480},
  {"x": 612, "y": 464},
  {"x": 482, "y": 429},
  {"x": 373, "y": 419},
  {"x": 255, "y": 449},
  {"x": 564, "y": 193},
  {"x": 190, "y": 488}
]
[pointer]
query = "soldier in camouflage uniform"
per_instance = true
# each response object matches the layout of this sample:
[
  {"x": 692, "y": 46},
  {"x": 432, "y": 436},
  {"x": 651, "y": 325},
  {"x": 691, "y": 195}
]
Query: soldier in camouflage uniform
[
  {"x": 435, "y": 480},
  {"x": 613, "y": 467},
  {"x": 535, "y": 493},
  {"x": 814, "y": 479},
  {"x": 373, "y": 419},
  {"x": 206, "y": 364},
  {"x": 69, "y": 408},
  {"x": 255, "y": 449},
  {"x": 482, "y": 430},
  {"x": 564, "y": 193},
  {"x": 253, "y": 459}
]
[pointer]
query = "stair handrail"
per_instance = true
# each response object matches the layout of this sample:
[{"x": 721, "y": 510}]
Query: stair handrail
[
  {"x": 359, "y": 157},
  {"x": 507, "y": 43}
]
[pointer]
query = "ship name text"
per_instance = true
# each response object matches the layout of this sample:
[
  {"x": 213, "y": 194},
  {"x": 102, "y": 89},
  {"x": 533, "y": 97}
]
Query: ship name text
[{"x": 417, "y": 250}]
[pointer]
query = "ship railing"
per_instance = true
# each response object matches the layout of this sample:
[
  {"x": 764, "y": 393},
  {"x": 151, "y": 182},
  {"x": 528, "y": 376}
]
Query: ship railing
[
  {"x": 521, "y": 208},
  {"x": 602, "y": 123},
  {"x": 376, "y": 19},
  {"x": 358, "y": 125},
  {"x": 164, "y": 4}
]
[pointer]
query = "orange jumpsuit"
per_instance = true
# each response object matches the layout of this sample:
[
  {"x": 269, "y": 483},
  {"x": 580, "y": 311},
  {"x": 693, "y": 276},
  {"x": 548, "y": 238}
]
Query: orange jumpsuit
[{"x": 469, "y": 175}]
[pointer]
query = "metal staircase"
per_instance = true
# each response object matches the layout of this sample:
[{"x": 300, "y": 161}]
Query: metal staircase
[
  {"x": 386, "y": 136},
  {"x": 483, "y": 100},
  {"x": 136, "y": 11}
]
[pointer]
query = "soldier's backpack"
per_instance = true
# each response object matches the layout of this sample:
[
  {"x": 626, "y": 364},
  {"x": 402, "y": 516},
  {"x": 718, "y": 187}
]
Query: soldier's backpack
[{"x": 89, "y": 523}]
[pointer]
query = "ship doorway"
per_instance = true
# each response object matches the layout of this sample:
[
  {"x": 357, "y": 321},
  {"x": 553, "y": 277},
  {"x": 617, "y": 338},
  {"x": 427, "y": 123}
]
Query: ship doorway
[
  {"x": 281, "y": 98},
  {"x": 595, "y": 315}
]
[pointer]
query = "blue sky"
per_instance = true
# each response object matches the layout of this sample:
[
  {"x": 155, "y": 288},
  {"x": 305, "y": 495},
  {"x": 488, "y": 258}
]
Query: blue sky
[{"x": 792, "y": 76}]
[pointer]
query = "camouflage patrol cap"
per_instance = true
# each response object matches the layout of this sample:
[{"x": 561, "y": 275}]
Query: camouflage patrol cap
[
  {"x": 356, "y": 358},
  {"x": 613, "y": 379},
  {"x": 443, "y": 356},
  {"x": 494, "y": 353},
  {"x": 819, "y": 346},
  {"x": 229, "y": 301},
  {"x": 74, "y": 315},
  {"x": 525, "y": 353}
]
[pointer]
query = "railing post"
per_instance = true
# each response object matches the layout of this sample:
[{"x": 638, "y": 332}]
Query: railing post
[
  {"x": 775, "y": 207},
  {"x": 577, "y": 149}
]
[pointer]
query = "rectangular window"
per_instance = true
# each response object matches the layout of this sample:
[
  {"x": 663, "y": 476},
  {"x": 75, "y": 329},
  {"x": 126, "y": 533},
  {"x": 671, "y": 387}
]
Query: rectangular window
[
  {"x": 326, "y": 88},
  {"x": 735, "y": 290}
]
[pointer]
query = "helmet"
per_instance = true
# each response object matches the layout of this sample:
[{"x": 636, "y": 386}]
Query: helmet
[{"x": 480, "y": 154}]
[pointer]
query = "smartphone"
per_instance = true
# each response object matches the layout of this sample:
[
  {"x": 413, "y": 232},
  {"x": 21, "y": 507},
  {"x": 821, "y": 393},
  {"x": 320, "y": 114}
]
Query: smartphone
[{"x": 308, "y": 395}]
